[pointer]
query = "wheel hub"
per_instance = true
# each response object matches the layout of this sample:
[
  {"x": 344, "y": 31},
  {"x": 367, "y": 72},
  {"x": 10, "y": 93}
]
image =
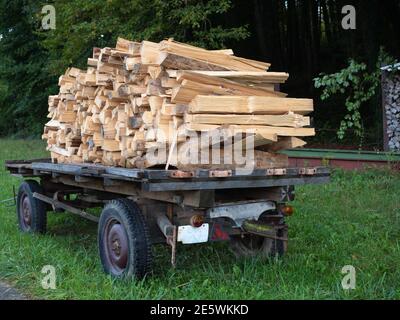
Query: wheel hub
[
  {"x": 117, "y": 246},
  {"x": 26, "y": 212}
]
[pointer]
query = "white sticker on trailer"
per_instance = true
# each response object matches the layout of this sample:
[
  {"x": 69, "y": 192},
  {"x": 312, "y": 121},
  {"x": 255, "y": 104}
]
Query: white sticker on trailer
[{"x": 191, "y": 235}]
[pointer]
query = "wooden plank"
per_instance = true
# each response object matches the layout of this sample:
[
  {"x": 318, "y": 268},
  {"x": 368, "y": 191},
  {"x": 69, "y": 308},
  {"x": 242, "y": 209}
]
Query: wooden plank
[
  {"x": 289, "y": 120},
  {"x": 280, "y": 131},
  {"x": 234, "y": 87},
  {"x": 261, "y": 76},
  {"x": 173, "y": 61},
  {"x": 97, "y": 170},
  {"x": 188, "y": 90},
  {"x": 251, "y": 104},
  {"x": 215, "y": 58},
  {"x": 228, "y": 52}
]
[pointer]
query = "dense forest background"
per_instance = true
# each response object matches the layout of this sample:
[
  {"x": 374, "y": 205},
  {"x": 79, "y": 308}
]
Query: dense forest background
[{"x": 303, "y": 38}]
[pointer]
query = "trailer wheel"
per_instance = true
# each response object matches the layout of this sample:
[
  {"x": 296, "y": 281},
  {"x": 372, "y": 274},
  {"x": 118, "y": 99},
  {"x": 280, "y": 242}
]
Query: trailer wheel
[
  {"x": 124, "y": 241},
  {"x": 250, "y": 245},
  {"x": 31, "y": 212}
]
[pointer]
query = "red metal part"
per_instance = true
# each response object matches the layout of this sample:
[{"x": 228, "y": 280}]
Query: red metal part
[
  {"x": 182, "y": 174},
  {"x": 218, "y": 233},
  {"x": 220, "y": 173},
  {"x": 276, "y": 172}
]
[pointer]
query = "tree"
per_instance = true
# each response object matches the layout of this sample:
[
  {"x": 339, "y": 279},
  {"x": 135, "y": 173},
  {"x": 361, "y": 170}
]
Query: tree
[
  {"x": 31, "y": 59},
  {"x": 83, "y": 24},
  {"x": 303, "y": 38},
  {"x": 24, "y": 79}
]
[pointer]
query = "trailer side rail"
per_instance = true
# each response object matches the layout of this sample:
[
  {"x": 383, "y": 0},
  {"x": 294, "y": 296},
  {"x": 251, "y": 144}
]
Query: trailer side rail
[{"x": 175, "y": 180}]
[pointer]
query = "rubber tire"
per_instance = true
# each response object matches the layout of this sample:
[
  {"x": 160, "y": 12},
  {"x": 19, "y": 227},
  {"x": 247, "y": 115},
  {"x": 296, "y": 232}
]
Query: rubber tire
[
  {"x": 263, "y": 247},
  {"x": 38, "y": 208},
  {"x": 129, "y": 215}
]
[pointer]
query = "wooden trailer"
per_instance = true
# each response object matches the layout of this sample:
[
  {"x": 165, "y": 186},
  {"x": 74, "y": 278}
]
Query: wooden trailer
[{"x": 143, "y": 207}]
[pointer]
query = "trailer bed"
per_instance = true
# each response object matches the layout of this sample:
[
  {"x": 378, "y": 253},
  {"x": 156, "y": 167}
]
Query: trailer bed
[
  {"x": 163, "y": 206},
  {"x": 173, "y": 180}
]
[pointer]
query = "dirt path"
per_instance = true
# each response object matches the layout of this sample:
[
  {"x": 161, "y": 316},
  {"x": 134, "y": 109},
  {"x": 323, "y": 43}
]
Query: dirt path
[{"x": 9, "y": 293}]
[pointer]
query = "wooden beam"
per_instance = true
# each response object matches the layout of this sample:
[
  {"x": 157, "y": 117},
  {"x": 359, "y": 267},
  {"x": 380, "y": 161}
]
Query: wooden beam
[
  {"x": 218, "y": 59},
  {"x": 235, "y": 87},
  {"x": 188, "y": 90},
  {"x": 173, "y": 61},
  {"x": 280, "y": 131},
  {"x": 251, "y": 104},
  {"x": 290, "y": 120},
  {"x": 262, "y": 76}
]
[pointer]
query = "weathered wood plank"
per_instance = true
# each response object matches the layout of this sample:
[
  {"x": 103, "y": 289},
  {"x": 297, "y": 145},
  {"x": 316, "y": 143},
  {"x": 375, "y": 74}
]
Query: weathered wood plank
[
  {"x": 250, "y": 105},
  {"x": 290, "y": 120}
]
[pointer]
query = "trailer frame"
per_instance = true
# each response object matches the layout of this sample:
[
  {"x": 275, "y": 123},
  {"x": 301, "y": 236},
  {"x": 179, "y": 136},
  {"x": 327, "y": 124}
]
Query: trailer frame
[{"x": 194, "y": 206}]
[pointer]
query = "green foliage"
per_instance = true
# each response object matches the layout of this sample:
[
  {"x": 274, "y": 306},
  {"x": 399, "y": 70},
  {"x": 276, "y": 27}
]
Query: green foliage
[
  {"x": 191, "y": 21},
  {"x": 99, "y": 23},
  {"x": 3, "y": 92},
  {"x": 31, "y": 59},
  {"x": 25, "y": 82},
  {"x": 358, "y": 85}
]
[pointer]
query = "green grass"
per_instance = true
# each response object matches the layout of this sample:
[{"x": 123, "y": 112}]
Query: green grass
[{"x": 355, "y": 220}]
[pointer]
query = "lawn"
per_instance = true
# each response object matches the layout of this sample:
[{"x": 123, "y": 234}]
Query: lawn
[{"x": 355, "y": 220}]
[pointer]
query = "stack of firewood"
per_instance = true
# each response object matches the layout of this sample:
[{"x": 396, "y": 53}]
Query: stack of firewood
[
  {"x": 392, "y": 110},
  {"x": 140, "y": 105}
]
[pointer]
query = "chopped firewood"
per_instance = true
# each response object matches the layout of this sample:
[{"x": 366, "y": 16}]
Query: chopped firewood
[{"x": 145, "y": 104}]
